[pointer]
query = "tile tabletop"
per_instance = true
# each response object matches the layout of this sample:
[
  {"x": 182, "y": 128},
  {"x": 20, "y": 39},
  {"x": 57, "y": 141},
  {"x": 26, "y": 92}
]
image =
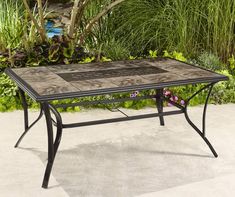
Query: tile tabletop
[{"x": 75, "y": 79}]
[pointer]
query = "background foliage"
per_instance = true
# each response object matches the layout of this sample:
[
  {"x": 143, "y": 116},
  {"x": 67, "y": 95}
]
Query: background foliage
[
  {"x": 198, "y": 32},
  {"x": 181, "y": 25}
]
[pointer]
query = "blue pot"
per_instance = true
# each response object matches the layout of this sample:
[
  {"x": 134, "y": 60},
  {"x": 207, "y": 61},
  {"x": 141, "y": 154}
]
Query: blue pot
[{"x": 51, "y": 30}]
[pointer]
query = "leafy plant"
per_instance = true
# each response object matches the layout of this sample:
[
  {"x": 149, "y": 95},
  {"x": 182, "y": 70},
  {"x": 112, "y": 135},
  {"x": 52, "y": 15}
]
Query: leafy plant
[
  {"x": 223, "y": 92},
  {"x": 62, "y": 50},
  {"x": 153, "y": 54},
  {"x": 8, "y": 91},
  {"x": 210, "y": 61},
  {"x": 175, "y": 55},
  {"x": 59, "y": 50},
  {"x": 3, "y": 61},
  {"x": 231, "y": 66},
  {"x": 7, "y": 87}
]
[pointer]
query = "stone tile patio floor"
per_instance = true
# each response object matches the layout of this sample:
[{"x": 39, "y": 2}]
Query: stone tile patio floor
[{"x": 137, "y": 158}]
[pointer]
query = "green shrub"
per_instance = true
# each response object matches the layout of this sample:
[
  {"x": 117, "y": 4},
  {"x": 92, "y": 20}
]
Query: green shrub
[
  {"x": 59, "y": 50},
  {"x": 9, "y": 103},
  {"x": 175, "y": 55},
  {"x": 210, "y": 61},
  {"x": 231, "y": 65},
  {"x": 7, "y": 87},
  {"x": 8, "y": 94},
  {"x": 223, "y": 92}
]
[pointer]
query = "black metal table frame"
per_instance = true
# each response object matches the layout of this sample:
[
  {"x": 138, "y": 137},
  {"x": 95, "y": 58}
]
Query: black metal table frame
[{"x": 47, "y": 108}]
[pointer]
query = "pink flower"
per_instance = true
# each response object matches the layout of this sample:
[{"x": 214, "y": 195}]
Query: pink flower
[
  {"x": 182, "y": 102},
  {"x": 132, "y": 95},
  {"x": 167, "y": 93},
  {"x": 169, "y": 105},
  {"x": 136, "y": 92}
]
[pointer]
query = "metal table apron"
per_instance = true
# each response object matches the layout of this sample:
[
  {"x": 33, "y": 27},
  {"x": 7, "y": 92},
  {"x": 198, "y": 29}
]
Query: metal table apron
[{"x": 144, "y": 74}]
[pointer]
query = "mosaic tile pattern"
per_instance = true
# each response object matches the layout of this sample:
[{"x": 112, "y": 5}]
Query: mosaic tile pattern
[
  {"x": 110, "y": 73},
  {"x": 94, "y": 76}
]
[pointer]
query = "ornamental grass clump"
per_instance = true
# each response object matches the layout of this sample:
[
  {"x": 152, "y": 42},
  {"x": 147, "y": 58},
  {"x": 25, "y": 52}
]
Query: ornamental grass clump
[
  {"x": 12, "y": 24},
  {"x": 181, "y": 25}
]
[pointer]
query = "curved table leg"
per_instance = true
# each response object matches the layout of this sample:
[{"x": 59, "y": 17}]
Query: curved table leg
[
  {"x": 159, "y": 104},
  {"x": 201, "y": 133},
  {"x": 52, "y": 146},
  {"x": 26, "y": 123},
  {"x": 59, "y": 127}
]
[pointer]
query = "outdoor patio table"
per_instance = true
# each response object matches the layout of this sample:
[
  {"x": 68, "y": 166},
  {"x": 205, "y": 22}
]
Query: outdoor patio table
[{"x": 57, "y": 82}]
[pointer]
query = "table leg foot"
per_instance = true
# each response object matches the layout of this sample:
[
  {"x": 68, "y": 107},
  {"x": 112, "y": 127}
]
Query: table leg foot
[
  {"x": 47, "y": 175},
  {"x": 211, "y": 147}
]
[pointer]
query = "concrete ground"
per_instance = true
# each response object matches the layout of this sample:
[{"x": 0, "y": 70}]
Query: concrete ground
[{"x": 137, "y": 158}]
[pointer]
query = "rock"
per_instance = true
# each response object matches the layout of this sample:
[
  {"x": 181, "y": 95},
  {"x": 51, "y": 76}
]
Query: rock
[
  {"x": 65, "y": 21},
  {"x": 59, "y": 13},
  {"x": 52, "y": 15}
]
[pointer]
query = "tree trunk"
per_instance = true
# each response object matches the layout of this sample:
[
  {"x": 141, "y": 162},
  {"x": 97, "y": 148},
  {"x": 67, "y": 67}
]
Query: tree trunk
[{"x": 40, "y": 30}]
